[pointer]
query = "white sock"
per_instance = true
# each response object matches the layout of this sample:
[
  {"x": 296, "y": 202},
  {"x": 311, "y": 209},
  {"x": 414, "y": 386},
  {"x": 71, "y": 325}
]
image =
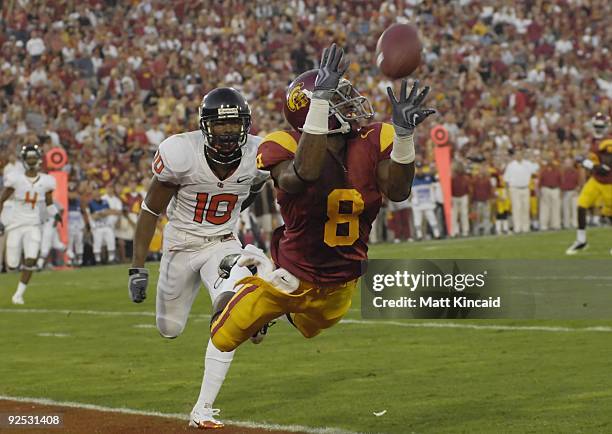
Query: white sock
[
  {"x": 505, "y": 226},
  {"x": 436, "y": 231},
  {"x": 111, "y": 256},
  {"x": 98, "y": 257},
  {"x": 498, "y": 225},
  {"x": 216, "y": 365},
  {"x": 581, "y": 235},
  {"x": 21, "y": 288},
  {"x": 41, "y": 262}
]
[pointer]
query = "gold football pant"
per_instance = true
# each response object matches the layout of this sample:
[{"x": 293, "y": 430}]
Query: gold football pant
[
  {"x": 256, "y": 303},
  {"x": 596, "y": 193}
]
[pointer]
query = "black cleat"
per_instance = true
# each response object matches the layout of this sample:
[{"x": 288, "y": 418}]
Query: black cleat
[{"x": 261, "y": 333}]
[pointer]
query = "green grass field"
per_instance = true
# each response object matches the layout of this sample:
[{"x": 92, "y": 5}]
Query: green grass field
[{"x": 508, "y": 378}]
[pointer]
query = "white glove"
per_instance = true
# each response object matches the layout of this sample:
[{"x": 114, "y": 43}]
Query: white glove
[
  {"x": 279, "y": 278},
  {"x": 252, "y": 256},
  {"x": 588, "y": 164},
  {"x": 284, "y": 280}
]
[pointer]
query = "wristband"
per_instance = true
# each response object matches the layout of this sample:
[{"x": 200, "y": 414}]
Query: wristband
[
  {"x": 403, "y": 149},
  {"x": 144, "y": 207},
  {"x": 317, "y": 117}
]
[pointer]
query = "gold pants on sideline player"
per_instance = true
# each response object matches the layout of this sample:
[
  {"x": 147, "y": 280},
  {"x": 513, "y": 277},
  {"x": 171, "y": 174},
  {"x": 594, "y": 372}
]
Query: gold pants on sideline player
[{"x": 256, "y": 303}]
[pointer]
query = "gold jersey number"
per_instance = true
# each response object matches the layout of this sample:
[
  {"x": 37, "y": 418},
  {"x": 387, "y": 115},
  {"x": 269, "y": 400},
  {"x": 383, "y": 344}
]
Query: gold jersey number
[{"x": 338, "y": 217}]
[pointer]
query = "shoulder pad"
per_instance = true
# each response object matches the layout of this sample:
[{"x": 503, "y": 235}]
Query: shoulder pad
[
  {"x": 277, "y": 147},
  {"x": 177, "y": 154}
]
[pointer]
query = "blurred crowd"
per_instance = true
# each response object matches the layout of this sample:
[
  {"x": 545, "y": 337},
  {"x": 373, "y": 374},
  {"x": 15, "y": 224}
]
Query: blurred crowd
[{"x": 109, "y": 80}]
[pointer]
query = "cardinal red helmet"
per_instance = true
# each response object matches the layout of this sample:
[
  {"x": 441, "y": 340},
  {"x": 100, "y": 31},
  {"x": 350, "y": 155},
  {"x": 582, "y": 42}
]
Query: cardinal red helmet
[{"x": 345, "y": 106}]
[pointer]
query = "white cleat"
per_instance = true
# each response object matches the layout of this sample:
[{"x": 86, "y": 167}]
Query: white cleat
[
  {"x": 204, "y": 418},
  {"x": 17, "y": 299},
  {"x": 576, "y": 247}
]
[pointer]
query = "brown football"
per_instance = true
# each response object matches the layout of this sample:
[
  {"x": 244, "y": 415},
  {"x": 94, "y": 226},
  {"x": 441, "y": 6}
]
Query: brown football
[{"x": 398, "y": 51}]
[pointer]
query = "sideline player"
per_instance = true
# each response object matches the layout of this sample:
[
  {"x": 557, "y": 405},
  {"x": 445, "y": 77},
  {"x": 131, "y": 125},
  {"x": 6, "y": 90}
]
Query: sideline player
[
  {"x": 599, "y": 186},
  {"x": 78, "y": 221},
  {"x": 204, "y": 179},
  {"x": 29, "y": 190},
  {"x": 424, "y": 201},
  {"x": 330, "y": 176}
]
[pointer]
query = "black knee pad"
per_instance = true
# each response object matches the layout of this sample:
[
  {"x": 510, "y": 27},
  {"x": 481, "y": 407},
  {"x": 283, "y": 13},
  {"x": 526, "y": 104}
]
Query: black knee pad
[
  {"x": 219, "y": 304},
  {"x": 226, "y": 264}
]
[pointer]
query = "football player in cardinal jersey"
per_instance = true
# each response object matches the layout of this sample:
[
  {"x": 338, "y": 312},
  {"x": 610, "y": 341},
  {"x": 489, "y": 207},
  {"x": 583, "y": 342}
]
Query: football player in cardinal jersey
[
  {"x": 330, "y": 173},
  {"x": 599, "y": 186},
  {"x": 30, "y": 190},
  {"x": 204, "y": 179}
]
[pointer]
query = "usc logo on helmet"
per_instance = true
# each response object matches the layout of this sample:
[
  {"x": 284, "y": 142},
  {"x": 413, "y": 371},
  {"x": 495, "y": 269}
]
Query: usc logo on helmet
[{"x": 297, "y": 98}]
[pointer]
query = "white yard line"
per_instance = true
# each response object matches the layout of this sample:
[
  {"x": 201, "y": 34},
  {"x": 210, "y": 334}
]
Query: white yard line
[
  {"x": 90, "y": 312},
  {"x": 53, "y": 335},
  {"x": 454, "y": 325},
  {"x": 424, "y": 325},
  {"x": 245, "y": 424}
]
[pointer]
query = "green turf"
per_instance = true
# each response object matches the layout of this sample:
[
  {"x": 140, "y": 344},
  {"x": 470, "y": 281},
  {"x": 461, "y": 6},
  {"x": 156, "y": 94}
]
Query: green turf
[{"x": 428, "y": 380}]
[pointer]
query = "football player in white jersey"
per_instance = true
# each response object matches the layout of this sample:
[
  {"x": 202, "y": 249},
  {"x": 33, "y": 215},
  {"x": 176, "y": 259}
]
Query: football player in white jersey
[
  {"x": 204, "y": 179},
  {"x": 23, "y": 226},
  {"x": 423, "y": 201}
]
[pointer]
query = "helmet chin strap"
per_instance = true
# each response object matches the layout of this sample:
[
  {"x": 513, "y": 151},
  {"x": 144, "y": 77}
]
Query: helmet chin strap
[
  {"x": 215, "y": 160},
  {"x": 345, "y": 127}
]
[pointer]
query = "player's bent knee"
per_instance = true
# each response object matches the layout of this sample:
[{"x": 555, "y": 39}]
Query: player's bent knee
[
  {"x": 222, "y": 344},
  {"x": 169, "y": 329}
]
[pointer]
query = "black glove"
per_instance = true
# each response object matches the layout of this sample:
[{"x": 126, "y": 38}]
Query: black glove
[
  {"x": 602, "y": 169},
  {"x": 137, "y": 284},
  {"x": 57, "y": 220},
  {"x": 331, "y": 71},
  {"x": 407, "y": 113}
]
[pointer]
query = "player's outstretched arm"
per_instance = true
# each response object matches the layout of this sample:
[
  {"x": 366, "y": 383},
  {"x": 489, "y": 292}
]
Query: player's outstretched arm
[
  {"x": 152, "y": 206},
  {"x": 306, "y": 167},
  {"x": 396, "y": 174}
]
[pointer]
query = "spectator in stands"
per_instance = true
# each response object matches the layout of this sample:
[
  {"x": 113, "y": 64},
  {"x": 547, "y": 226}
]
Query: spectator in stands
[{"x": 89, "y": 77}]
